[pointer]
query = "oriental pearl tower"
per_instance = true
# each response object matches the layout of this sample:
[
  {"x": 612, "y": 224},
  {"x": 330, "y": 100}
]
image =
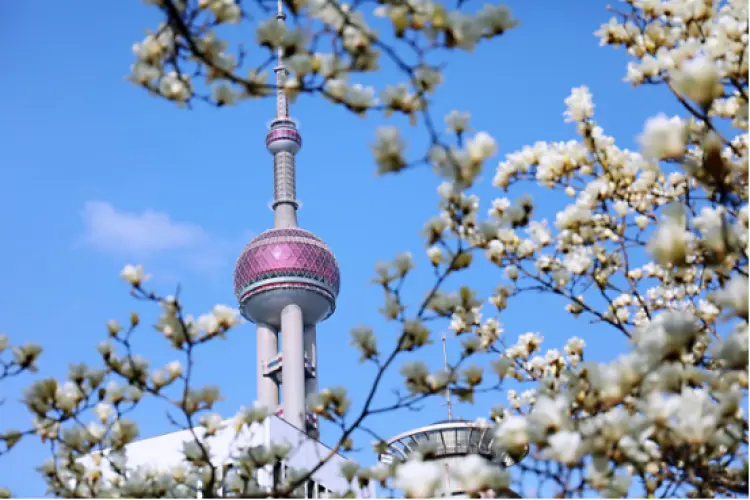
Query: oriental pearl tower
[{"x": 286, "y": 281}]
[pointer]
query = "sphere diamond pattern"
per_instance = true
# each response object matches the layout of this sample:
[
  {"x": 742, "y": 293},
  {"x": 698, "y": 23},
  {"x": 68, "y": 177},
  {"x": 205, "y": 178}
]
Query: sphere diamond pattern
[{"x": 286, "y": 253}]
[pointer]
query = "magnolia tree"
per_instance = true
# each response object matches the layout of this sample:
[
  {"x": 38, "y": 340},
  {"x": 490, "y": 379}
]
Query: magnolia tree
[{"x": 651, "y": 246}]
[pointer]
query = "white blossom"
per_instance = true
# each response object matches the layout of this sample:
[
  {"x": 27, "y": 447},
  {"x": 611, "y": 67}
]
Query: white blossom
[
  {"x": 419, "y": 479},
  {"x": 564, "y": 446},
  {"x": 481, "y": 147},
  {"x": 457, "y": 121},
  {"x": 134, "y": 275},
  {"x": 580, "y": 105},
  {"x": 663, "y": 137},
  {"x": 734, "y": 296},
  {"x": 669, "y": 245},
  {"x": 699, "y": 80},
  {"x": 475, "y": 475},
  {"x": 389, "y": 149},
  {"x": 512, "y": 433}
]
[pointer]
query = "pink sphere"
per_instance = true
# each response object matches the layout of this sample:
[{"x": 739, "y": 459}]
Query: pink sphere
[{"x": 284, "y": 266}]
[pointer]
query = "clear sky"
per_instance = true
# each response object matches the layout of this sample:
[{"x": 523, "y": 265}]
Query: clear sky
[{"x": 95, "y": 174}]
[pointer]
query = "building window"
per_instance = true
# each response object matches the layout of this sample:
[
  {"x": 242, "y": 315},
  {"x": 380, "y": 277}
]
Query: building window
[
  {"x": 277, "y": 475},
  {"x": 323, "y": 492},
  {"x": 311, "y": 489}
]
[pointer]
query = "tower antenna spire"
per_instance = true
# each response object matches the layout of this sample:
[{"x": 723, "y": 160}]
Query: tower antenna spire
[
  {"x": 448, "y": 395},
  {"x": 283, "y": 142},
  {"x": 282, "y": 104}
]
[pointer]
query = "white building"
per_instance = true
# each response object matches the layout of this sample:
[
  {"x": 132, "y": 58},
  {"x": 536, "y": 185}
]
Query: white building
[{"x": 164, "y": 452}]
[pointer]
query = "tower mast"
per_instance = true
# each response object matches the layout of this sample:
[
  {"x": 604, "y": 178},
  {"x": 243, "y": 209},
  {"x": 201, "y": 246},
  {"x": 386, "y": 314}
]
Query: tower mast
[
  {"x": 283, "y": 141},
  {"x": 282, "y": 105}
]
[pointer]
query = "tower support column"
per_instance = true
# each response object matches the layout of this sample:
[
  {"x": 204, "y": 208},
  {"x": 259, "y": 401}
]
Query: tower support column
[
  {"x": 311, "y": 351},
  {"x": 311, "y": 384},
  {"x": 267, "y": 348},
  {"x": 293, "y": 368}
]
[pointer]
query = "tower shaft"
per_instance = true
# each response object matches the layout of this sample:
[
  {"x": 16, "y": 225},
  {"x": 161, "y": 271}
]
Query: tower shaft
[
  {"x": 311, "y": 352},
  {"x": 293, "y": 369},
  {"x": 267, "y": 348},
  {"x": 284, "y": 192}
]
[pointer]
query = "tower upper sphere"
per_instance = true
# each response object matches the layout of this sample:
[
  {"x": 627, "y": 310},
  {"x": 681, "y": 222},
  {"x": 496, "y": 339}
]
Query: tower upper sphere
[
  {"x": 283, "y": 136},
  {"x": 285, "y": 266}
]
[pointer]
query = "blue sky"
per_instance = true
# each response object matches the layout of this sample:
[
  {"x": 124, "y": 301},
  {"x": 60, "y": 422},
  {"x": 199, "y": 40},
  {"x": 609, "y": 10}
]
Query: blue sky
[{"x": 95, "y": 174}]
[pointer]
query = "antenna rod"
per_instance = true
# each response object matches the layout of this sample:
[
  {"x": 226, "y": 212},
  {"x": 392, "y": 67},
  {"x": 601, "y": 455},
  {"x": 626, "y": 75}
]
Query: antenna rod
[
  {"x": 448, "y": 403},
  {"x": 283, "y": 141},
  {"x": 282, "y": 104}
]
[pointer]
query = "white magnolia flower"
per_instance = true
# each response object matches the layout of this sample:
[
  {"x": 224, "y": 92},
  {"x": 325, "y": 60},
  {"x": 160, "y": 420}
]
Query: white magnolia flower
[
  {"x": 435, "y": 253},
  {"x": 104, "y": 411},
  {"x": 224, "y": 94},
  {"x": 575, "y": 345},
  {"x": 734, "y": 296},
  {"x": 661, "y": 407},
  {"x": 419, "y": 479},
  {"x": 669, "y": 244},
  {"x": 548, "y": 414},
  {"x": 663, "y": 137},
  {"x": 174, "y": 369},
  {"x": 580, "y": 105},
  {"x": 578, "y": 261},
  {"x": 540, "y": 232},
  {"x": 476, "y": 475},
  {"x": 212, "y": 422},
  {"x": 226, "y": 316},
  {"x": 134, "y": 274},
  {"x": 207, "y": 323},
  {"x": 225, "y": 11},
  {"x": 512, "y": 434},
  {"x": 481, "y": 147},
  {"x": 159, "y": 378},
  {"x": 449, "y": 190},
  {"x": 699, "y": 80},
  {"x": 564, "y": 446},
  {"x": 457, "y": 121},
  {"x": 695, "y": 420},
  {"x": 193, "y": 452},
  {"x": 497, "y": 18},
  {"x": 389, "y": 149},
  {"x": 144, "y": 73},
  {"x": 176, "y": 87},
  {"x": 96, "y": 430},
  {"x": 734, "y": 350}
]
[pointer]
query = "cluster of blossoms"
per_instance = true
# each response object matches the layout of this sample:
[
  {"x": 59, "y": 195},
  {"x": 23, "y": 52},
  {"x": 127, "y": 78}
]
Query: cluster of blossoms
[
  {"x": 652, "y": 246},
  {"x": 86, "y": 417},
  {"x": 337, "y": 43},
  {"x": 14, "y": 361},
  {"x": 664, "y": 246}
]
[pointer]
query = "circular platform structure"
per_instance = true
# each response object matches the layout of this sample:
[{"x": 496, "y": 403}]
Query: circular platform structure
[
  {"x": 448, "y": 438},
  {"x": 286, "y": 266},
  {"x": 450, "y": 441}
]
